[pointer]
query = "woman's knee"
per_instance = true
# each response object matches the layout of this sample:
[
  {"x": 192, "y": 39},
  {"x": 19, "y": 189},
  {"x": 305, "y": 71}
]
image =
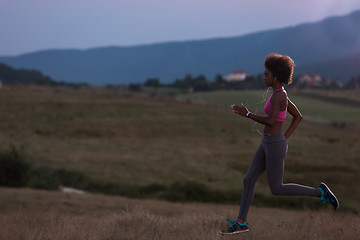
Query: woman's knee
[
  {"x": 276, "y": 189},
  {"x": 247, "y": 180}
]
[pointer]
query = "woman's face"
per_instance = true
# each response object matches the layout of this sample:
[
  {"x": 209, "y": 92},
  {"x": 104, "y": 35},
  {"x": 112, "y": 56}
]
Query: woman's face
[{"x": 268, "y": 78}]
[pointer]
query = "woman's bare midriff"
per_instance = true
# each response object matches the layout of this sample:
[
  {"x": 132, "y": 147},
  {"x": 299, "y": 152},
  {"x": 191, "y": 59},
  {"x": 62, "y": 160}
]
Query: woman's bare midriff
[{"x": 274, "y": 129}]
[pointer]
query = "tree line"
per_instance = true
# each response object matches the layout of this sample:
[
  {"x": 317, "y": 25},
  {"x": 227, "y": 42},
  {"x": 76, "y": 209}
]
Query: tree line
[
  {"x": 201, "y": 84},
  {"x": 11, "y": 76}
]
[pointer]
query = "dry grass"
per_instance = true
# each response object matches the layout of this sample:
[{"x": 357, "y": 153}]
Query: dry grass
[{"x": 32, "y": 214}]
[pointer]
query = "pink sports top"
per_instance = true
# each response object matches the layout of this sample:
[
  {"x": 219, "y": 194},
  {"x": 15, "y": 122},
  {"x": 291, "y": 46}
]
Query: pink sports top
[{"x": 281, "y": 114}]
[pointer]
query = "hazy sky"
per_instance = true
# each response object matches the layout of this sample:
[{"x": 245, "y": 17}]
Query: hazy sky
[{"x": 31, "y": 25}]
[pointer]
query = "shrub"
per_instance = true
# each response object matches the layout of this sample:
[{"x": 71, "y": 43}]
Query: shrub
[
  {"x": 152, "y": 189},
  {"x": 13, "y": 168},
  {"x": 134, "y": 87},
  {"x": 42, "y": 179},
  {"x": 71, "y": 178}
]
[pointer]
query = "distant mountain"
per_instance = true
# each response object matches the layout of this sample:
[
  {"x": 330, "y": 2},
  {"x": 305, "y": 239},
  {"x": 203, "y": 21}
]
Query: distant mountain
[
  {"x": 320, "y": 42},
  {"x": 340, "y": 68}
]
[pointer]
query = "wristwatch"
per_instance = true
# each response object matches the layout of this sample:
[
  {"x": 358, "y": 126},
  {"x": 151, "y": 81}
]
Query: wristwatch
[{"x": 247, "y": 114}]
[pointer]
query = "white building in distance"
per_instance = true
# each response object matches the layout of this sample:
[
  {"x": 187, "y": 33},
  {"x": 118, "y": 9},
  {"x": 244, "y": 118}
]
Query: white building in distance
[{"x": 236, "y": 76}]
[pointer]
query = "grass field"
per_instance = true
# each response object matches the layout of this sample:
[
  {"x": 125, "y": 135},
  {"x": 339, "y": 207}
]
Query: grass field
[
  {"x": 324, "y": 105},
  {"x": 139, "y": 141},
  {"x": 33, "y": 214}
]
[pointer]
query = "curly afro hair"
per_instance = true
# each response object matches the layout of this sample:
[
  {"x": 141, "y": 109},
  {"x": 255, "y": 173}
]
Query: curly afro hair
[{"x": 280, "y": 66}]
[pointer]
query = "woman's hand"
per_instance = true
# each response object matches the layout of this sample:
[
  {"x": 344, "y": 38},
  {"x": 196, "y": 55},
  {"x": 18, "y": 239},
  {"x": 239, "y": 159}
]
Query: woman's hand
[{"x": 241, "y": 110}]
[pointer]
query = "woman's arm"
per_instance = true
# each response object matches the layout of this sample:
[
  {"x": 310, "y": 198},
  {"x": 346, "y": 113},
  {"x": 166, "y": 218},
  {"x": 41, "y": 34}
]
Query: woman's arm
[
  {"x": 294, "y": 111},
  {"x": 274, "y": 109}
]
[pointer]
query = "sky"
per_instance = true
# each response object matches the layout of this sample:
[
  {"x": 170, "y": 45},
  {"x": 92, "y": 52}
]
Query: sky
[{"x": 33, "y": 25}]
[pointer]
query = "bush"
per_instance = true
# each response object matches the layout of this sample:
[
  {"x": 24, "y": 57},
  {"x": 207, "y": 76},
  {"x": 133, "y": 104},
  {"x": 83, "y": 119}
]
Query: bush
[
  {"x": 42, "y": 179},
  {"x": 71, "y": 178},
  {"x": 134, "y": 87},
  {"x": 152, "y": 189},
  {"x": 152, "y": 82},
  {"x": 13, "y": 168}
]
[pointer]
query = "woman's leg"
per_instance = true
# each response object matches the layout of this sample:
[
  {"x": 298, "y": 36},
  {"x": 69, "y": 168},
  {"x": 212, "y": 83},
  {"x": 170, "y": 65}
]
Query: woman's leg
[
  {"x": 256, "y": 168},
  {"x": 275, "y": 155}
]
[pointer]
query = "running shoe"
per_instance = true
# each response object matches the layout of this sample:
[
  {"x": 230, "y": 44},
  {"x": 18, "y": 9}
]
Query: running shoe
[
  {"x": 327, "y": 195},
  {"x": 235, "y": 227}
]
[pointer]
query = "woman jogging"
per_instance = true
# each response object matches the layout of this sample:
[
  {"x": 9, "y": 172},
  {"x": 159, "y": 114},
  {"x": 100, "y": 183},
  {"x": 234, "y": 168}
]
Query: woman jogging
[{"x": 271, "y": 153}]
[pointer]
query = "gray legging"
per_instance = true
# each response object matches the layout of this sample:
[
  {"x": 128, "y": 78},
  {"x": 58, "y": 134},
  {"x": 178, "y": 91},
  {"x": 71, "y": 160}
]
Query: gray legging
[{"x": 270, "y": 157}]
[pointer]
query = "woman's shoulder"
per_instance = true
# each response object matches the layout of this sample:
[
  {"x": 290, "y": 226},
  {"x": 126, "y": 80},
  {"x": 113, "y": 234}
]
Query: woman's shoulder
[{"x": 280, "y": 94}]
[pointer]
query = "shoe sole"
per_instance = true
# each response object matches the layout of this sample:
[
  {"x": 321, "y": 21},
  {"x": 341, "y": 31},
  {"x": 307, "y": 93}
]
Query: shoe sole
[
  {"x": 332, "y": 194},
  {"x": 236, "y": 232}
]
